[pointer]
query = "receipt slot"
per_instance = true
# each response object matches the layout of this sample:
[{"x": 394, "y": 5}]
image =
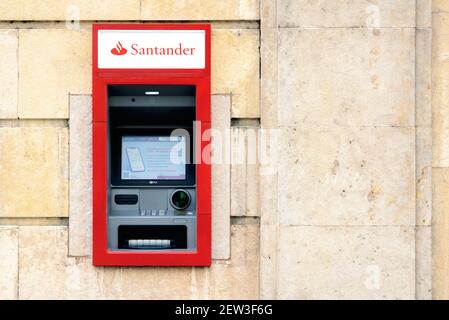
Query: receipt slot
[{"x": 151, "y": 174}]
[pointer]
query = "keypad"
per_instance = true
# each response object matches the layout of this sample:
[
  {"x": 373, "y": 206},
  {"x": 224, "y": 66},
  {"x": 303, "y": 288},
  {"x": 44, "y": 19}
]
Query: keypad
[{"x": 153, "y": 212}]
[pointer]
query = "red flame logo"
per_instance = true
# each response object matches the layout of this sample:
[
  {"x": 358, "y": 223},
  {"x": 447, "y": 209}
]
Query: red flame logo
[{"x": 118, "y": 50}]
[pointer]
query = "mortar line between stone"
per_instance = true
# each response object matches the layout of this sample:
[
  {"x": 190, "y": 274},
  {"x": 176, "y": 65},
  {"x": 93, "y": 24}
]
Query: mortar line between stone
[
  {"x": 345, "y": 27},
  {"x": 18, "y": 74},
  {"x": 13, "y": 123},
  {"x": 18, "y": 264},
  {"x": 33, "y": 221},
  {"x": 276, "y": 263},
  {"x": 416, "y": 152},
  {"x": 354, "y": 225},
  {"x": 85, "y": 24},
  {"x": 140, "y": 9},
  {"x": 68, "y": 173}
]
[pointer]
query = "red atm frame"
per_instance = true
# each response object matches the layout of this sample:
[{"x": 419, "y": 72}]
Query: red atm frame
[{"x": 101, "y": 78}]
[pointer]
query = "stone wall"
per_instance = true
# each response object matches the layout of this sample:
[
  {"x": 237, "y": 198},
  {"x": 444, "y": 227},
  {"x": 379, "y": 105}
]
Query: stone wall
[
  {"x": 440, "y": 150},
  {"x": 340, "y": 93},
  {"x": 45, "y": 148},
  {"x": 348, "y": 88}
]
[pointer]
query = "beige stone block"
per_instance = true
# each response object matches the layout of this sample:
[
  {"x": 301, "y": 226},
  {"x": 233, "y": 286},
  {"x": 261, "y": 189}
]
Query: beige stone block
[
  {"x": 346, "y": 263},
  {"x": 440, "y": 6},
  {"x": 440, "y": 93},
  {"x": 234, "y": 279},
  {"x": 440, "y": 241},
  {"x": 424, "y": 263},
  {"x": 245, "y": 172},
  {"x": 80, "y": 182},
  {"x": 269, "y": 217},
  {"x": 350, "y": 77},
  {"x": 47, "y": 273},
  {"x": 424, "y": 13},
  {"x": 423, "y": 176},
  {"x": 53, "y": 63},
  {"x": 221, "y": 181},
  {"x": 268, "y": 14},
  {"x": 346, "y": 13},
  {"x": 269, "y": 188},
  {"x": 69, "y": 10},
  {"x": 424, "y": 77},
  {"x": 235, "y": 69},
  {"x": 269, "y": 76},
  {"x": 440, "y": 25},
  {"x": 26, "y": 123},
  {"x": 347, "y": 176},
  {"x": 269, "y": 255},
  {"x": 200, "y": 10},
  {"x": 33, "y": 172},
  {"x": 9, "y": 74},
  {"x": 9, "y": 271}
]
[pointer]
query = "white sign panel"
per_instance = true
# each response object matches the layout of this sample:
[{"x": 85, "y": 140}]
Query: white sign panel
[{"x": 151, "y": 49}]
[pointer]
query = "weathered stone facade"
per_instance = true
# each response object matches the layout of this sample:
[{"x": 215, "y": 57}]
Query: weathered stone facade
[{"x": 353, "y": 202}]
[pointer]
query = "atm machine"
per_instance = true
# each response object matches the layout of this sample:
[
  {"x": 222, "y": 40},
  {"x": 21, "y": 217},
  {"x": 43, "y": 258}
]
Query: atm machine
[{"x": 151, "y": 185}]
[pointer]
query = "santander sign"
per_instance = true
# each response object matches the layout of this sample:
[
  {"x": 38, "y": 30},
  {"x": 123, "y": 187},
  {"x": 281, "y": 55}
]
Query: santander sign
[
  {"x": 179, "y": 50},
  {"x": 119, "y": 50},
  {"x": 154, "y": 49}
]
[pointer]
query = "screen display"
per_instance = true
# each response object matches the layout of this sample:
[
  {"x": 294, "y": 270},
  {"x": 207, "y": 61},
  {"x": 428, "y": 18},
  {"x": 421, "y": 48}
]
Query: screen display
[{"x": 153, "y": 158}]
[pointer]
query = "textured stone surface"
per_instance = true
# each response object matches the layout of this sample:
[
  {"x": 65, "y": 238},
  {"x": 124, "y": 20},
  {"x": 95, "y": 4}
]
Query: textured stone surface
[
  {"x": 269, "y": 255},
  {"x": 269, "y": 78},
  {"x": 423, "y": 176},
  {"x": 440, "y": 140},
  {"x": 346, "y": 13},
  {"x": 440, "y": 6},
  {"x": 268, "y": 190},
  {"x": 347, "y": 176},
  {"x": 221, "y": 181},
  {"x": 244, "y": 172},
  {"x": 440, "y": 82},
  {"x": 347, "y": 77},
  {"x": 346, "y": 263},
  {"x": 440, "y": 225},
  {"x": 80, "y": 173},
  {"x": 8, "y": 75},
  {"x": 423, "y": 77},
  {"x": 235, "y": 69},
  {"x": 220, "y": 281},
  {"x": 8, "y": 262},
  {"x": 47, "y": 76},
  {"x": 424, "y": 13},
  {"x": 69, "y": 10},
  {"x": 33, "y": 172},
  {"x": 424, "y": 263},
  {"x": 200, "y": 10},
  {"x": 46, "y": 272}
]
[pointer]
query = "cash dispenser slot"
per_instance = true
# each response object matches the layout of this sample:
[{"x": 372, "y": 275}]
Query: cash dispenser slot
[{"x": 152, "y": 237}]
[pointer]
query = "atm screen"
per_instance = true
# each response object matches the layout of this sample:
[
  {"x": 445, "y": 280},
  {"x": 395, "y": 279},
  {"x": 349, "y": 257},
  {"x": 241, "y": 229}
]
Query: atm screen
[{"x": 153, "y": 158}]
